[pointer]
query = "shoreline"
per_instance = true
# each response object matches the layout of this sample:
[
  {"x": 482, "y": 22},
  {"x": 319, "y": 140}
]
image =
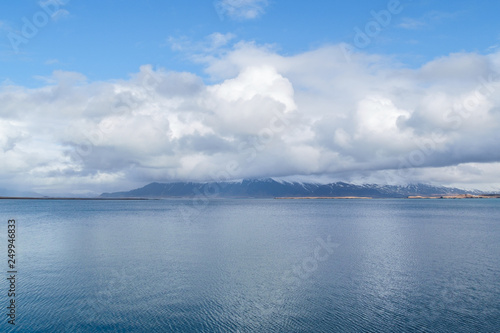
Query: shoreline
[
  {"x": 457, "y": 196},
  {"x": 64, "y": 198},
  {"x": 312, "y": 198}
]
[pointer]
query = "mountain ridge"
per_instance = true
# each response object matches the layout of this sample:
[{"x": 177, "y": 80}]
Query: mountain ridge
[
  {"x": 271, "y": 188},
  {"x": 4, "y": 192}
]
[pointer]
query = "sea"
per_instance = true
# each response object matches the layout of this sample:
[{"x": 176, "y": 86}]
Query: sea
[{"x": 252, "y": 265}]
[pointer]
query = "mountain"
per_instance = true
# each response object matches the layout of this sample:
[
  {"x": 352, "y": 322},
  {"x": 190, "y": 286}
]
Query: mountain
[
  {"x": 15, "y": 193},
  {"x": 270, "y": 188}
]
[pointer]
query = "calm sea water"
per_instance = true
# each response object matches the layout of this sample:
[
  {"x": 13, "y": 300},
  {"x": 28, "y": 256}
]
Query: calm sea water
[{"x": 255, "y": 266}]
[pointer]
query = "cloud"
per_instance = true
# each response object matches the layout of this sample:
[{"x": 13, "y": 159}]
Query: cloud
[
  {"x": 412, "y": 24},
  {"x": 51, "y": 62},
  {"x": 53, "y": 8},
  {"x": 217, "y": 40},
  {"x": 241, "y": 9},
  {"x": 311, "y": 115},
  {"x": 60, "y": 14},
  {"x": 428, "y": 20},
  {"x": 210, "y": 44}
]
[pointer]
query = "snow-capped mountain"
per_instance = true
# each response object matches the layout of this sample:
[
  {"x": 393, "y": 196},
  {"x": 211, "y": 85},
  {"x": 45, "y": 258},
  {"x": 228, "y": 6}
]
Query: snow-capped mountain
[{"x": 269, "y": 188}]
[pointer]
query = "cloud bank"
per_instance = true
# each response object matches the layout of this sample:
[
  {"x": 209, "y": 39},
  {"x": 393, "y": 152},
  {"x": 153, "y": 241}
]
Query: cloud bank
[{"x": 311, "y": 116}]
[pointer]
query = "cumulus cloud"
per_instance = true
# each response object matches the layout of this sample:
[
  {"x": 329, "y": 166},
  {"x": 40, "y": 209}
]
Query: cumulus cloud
[
  {"x": 312, "y": 115},
  {"x": 241, "y": 9}
]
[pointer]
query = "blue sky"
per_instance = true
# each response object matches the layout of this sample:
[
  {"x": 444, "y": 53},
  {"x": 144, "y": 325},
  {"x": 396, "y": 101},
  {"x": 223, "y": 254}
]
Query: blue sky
[
  {"x": 110, "y": 95},
  {"x": 109, "y": 39}
]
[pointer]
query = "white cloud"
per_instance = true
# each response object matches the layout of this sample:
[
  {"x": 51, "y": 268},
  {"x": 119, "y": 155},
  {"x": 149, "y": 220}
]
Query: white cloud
[
  {"x": 241, "y": 9},
  {"x": 412, "y": 24},
  {"x": 428, "y": 20},
  {"x": 54, "y": 8},
  {"x": 210, "y": 44},
  {"x": 51, "y": 61},
  {"x": 61, "y": 13},
  {"x": 309, "y": 115},
  {"x": 218, "y": 40}
]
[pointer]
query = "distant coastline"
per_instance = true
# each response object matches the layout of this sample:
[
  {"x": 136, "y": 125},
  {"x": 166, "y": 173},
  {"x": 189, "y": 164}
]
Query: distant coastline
[
  {"x": 458, "y": 196},
  {"x": 270, "y": 189},
  {"x": 63, "y": 198},
  {"x": 348, "y": 197}
]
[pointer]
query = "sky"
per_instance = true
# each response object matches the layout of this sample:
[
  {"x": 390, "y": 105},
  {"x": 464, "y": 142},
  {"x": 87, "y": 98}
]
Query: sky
[{"x": 101, "y": 96}]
